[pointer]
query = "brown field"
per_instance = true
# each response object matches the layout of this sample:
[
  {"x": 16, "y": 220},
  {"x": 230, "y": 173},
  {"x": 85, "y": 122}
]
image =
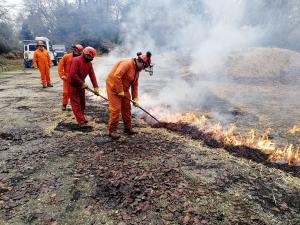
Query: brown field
[{"x": 53, "y": 173}]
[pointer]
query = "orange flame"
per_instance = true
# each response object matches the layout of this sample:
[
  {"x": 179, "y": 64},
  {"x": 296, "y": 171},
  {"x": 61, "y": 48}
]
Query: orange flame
[
  {"x": 289, "y": 154},
  {"x": 294, "y": 130}
]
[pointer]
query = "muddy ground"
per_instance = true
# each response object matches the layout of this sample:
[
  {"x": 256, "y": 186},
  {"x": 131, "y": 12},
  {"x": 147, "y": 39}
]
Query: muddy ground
[{"x": 52, "y": 173}]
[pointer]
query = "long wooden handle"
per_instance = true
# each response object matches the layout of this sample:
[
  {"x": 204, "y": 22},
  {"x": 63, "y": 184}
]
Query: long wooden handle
[
  {"x": 90, "y": 90},
  {"x": 143, "y": 110}
]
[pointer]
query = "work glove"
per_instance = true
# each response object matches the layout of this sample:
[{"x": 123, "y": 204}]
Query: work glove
[
  {"x": 135, "y": 102},
  {"x": 96, "y": 91},
  {"x": 84, "y": 86},
  {"x": 64, "y": 78},
  {"x": 121, "y": 94}
]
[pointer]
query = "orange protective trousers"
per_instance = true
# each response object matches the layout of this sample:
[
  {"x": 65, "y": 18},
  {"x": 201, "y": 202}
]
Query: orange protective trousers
[
  {"x": 121, "y": 78},
  {"x": 117, "y": 106},
  {"x": 64, "y": 71},
  {"x": 45, "y": 74},
  {"x": 77, "y": 103},
  {"x": 65, "y": 94},
  {"x": 41, "y": 59}
]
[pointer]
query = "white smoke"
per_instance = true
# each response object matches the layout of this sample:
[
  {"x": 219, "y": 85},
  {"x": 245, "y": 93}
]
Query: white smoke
[
  {"x": 186, "y": 38},
  {"x": 208, "y": 58}
]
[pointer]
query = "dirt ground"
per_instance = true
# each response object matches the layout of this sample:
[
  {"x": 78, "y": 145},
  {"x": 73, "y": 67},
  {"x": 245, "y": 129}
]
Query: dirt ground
[{"x": 52, "y": 173}]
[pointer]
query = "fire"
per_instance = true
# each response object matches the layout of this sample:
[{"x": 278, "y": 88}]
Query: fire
[
  {"x": 289, "y": 154},
  {"x": 265, "y": 144},
  {"x": 251, "y": 137},
  {"x": 294, "y": 130},
  {"x": 229, "y": 136},
  {"x": 192, "y": 118},
  {"x": 186, "y": 118}
]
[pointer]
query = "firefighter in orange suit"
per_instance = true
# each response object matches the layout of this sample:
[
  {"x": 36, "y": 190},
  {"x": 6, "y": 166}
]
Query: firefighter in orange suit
[
  {"x": 64, "y": 71},
  {"x": 81, "y": 66},
  {"x": 124, "y": 76},
  {"x": 41, "y": 60}
]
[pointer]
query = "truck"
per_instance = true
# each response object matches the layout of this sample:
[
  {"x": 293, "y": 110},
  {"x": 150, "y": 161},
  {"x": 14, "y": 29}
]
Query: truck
[
  {"x": 30, "y": 47},
  {"x": 60, "y": 51}
]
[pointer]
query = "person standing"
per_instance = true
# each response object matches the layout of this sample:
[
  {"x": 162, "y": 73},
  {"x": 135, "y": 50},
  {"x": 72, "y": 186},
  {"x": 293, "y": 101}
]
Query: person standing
[
  {"x": 42, "y": 61},
  {"x": 81, "y": 66},
  {"x": 64, "y": 71},
  {"x": 124, "y": 76}
]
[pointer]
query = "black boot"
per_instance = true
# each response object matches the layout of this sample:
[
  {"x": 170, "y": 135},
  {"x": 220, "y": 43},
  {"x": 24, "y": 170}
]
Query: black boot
[
  {"x": 114, "y": 135},
  {"x": 130, "y": 131}
]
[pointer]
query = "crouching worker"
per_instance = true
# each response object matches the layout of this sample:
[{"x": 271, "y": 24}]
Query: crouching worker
[
  {"x": 81, "y": 66},
  {"x": 64, "y": 71},
  {"x": 124, "y": 76}
]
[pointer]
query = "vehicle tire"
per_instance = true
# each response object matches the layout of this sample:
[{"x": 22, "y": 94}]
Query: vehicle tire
[
  {"x": 27, "y": 63},
  {"x": 55, "y": 62}
]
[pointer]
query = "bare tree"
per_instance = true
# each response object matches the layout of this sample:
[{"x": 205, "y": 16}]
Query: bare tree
[{"x": 4, "y": 9}]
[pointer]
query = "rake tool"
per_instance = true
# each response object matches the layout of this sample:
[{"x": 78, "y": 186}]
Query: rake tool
[
  {"x": 144, "y": 110},
  {"x": 90, "y": 90}
]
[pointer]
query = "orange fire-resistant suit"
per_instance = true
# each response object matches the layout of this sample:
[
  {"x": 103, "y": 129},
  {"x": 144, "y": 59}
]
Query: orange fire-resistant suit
[
  {"x": 124, "y": 75},
  {"x": 78, "y": 72},
  {"x": 64, "y": 71},
  {"x": 41, "y": 60}
]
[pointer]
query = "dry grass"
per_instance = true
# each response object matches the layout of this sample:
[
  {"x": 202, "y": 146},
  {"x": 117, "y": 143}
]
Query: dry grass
[
  {"x": 258, "y": 62},
  {"x": 10, "y": 64}
]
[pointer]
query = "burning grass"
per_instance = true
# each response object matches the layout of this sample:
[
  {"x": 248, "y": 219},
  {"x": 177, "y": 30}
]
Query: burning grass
[
  {"x": 253, "y": 144},
  {"x": 294, "y": 130}
]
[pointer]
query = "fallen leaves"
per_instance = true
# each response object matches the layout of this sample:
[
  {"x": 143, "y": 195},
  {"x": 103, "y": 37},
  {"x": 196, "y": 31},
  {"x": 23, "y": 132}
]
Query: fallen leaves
[{"x": 4, "y": 187}]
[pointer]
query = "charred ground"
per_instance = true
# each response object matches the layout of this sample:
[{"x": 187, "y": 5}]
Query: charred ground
[{"x": 51, "y": 173}]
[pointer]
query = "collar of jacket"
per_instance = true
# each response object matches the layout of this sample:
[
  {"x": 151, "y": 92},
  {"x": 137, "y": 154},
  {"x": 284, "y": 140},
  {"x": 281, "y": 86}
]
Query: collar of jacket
[
  {"x": 135, "y": 72},
  {"x": 134, "y": 62}
]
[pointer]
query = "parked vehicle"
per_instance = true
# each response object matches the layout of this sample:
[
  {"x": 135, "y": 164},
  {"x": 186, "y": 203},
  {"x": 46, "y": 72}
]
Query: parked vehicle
[{"x": 60, "y": 51}]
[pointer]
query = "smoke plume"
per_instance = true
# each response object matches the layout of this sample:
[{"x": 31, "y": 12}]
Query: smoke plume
[
  {"x": 196, "y": 46},
  {"x": 192, "y": 38}
]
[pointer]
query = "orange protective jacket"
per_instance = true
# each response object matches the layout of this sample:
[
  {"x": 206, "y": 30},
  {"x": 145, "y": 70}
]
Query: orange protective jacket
[
  {"x": 64, "y": 65},
  {"x": 124, "y": 75},
  {"x": 41, "y": 58}
]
